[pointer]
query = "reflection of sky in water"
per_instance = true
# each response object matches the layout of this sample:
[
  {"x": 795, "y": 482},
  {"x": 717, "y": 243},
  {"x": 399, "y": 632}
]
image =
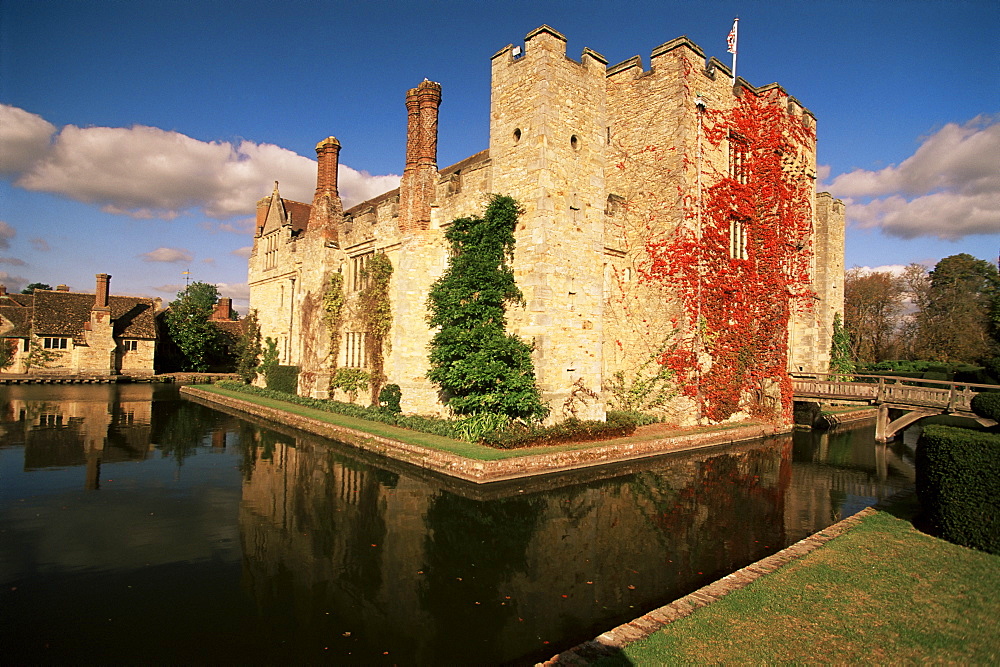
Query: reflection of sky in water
[{"x": 277, "y": 544}]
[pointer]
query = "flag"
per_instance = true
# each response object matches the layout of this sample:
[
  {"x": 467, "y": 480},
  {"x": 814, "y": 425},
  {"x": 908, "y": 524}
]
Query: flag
[{"x": 731, "y": 40}]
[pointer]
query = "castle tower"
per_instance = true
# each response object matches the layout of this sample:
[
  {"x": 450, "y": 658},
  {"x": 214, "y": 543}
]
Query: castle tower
[{"x": 547, "y": 147}]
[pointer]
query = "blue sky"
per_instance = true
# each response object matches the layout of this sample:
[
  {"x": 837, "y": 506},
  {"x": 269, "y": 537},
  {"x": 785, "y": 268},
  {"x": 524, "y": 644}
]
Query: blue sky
[{"x": 135, "y": 137}]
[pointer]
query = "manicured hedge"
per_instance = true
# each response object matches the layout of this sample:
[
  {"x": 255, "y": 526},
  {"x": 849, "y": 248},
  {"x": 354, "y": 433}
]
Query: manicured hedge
[
  {"x": 283, "y": 378},
  {"x": 571, "y": 430},
  {"x": 958, "y": 483},
  {"x": 987, "y": 405}
]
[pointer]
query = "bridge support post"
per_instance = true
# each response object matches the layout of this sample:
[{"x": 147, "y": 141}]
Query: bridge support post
[{"x": 882, "y": 423}]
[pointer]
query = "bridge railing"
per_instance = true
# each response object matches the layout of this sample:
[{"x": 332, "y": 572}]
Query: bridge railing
[{"x": 890, "y": 389}]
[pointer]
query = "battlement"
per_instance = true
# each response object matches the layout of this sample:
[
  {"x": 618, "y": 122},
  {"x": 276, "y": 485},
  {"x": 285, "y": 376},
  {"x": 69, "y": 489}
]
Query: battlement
[{"x": 545, "y": 39}]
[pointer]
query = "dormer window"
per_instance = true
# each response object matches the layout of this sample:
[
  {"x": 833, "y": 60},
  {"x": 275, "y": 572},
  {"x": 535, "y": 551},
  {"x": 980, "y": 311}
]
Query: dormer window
[{"x": 55, "y": 343}]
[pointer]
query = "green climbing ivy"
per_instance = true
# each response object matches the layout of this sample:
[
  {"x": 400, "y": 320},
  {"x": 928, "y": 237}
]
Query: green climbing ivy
[
  {"x": 333, "y": 312},
  {"x": 479, "y": 366},
  {"x": 376, "y": 315},
  {"x": 841, "y": 362}
]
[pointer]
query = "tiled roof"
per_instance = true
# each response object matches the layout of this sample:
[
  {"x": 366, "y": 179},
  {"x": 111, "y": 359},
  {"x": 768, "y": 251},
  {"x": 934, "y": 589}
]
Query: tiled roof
[
  {"x": 61, "y": 313},
  {"x": 134, "y": 317},
  {"x": 24, "y": 300},
  {"x": 67, "y": 314},
  {"x": 18, "y": 317},
  {"x": 299, "y": 214}
]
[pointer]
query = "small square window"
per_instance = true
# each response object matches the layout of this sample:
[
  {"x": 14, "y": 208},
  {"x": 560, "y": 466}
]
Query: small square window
[
  {"x": 130, "y": 345},
  {"x": 55, "y": 343}
]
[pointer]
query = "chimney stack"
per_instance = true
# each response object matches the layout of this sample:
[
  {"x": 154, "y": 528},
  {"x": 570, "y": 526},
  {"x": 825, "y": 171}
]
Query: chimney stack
[
  {"x": 327, "y": 211},
  {"x": 62, "y": 288},
  {"x": 223, "y": 310},
  {"x": 101, "y": 292},
  {"x": 3, "y": 290},
  {"x": 416, "y": 190}
]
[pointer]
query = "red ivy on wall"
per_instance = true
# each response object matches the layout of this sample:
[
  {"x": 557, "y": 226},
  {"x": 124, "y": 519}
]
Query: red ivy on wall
[{"x": 741, "y": 261}]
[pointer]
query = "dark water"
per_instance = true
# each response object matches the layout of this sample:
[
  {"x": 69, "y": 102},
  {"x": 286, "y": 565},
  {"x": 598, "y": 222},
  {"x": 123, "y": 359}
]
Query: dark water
[{"x": 137, "y": 526}]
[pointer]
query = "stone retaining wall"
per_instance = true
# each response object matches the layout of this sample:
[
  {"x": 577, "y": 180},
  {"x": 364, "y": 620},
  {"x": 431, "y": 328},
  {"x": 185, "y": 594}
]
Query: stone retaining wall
[{"x": 481, "y": 472}]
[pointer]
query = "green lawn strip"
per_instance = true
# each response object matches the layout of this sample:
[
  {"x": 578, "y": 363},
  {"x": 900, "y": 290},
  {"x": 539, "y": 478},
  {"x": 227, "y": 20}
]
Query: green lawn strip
[
  {"x": 881, "y": 593},
  {"x": 458, "y": 447}
]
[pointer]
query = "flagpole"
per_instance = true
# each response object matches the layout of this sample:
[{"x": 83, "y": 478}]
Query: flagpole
[{"x": 733, "y": 38}]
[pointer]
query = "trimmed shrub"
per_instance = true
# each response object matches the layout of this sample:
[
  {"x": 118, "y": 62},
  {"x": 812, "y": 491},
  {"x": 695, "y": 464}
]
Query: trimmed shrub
[
  {"x": 571, "y": 430},
  {"x": 283, "y": 378},
  {"x": 958, "y": 483},
  {"x": 987, "y": 405},
  {"x": 389, "y": 398}
]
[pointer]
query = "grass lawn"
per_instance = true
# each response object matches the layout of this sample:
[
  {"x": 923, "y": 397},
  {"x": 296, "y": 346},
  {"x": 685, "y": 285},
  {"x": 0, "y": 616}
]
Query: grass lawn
[
  {"x": 881, "y": 593},
  {"x": 458, "y": 447}
]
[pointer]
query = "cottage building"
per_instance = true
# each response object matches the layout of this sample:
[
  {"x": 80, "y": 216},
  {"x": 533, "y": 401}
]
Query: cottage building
[
  {"x": 71, "y": 333},
  {"x": 673, "y": 252}
]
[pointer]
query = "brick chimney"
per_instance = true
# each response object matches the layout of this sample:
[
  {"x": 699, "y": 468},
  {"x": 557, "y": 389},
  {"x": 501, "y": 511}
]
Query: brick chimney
[
  {"x": 416, "y": 190},
  {"x": 3, "y": 290},
  {"x": 327, "y": 210},
  {"x": 223, "y": 310},
  {"x": 100, "y": 292},
  {"x": 62, "y": 288}
]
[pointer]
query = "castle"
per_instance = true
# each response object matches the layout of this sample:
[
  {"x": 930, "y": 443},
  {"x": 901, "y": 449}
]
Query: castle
[{"x": 673, "y": 252}]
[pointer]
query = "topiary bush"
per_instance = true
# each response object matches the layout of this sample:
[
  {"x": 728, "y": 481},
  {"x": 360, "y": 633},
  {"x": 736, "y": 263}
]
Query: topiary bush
[
  {"x": 958, "y": 483},
  {"x": 987, "y": 405},
  {"x": 283, "y": 378},
  {"x": 389, "y": 398}
]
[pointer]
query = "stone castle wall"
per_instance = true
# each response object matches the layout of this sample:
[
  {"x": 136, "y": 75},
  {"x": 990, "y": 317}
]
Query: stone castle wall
[{"x": 605, "y": 161}]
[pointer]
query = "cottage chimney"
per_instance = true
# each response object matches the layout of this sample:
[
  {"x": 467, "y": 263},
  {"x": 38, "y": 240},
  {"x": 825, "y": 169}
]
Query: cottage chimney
[
  {"x": 416, "y": 190},
  {"x": 62, "y": 288},
  {"x": 3, "y": 290},
  {"x": 327, "y": 211},
  {"x": 101, "y": 292}
]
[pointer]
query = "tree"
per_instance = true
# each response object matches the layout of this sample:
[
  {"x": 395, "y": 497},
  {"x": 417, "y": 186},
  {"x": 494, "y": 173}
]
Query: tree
[
  {"x": 841, "y": 361},
  {"x": 955, "y": 322},
  {"x": 30, "y": 289},
  {"x": 479, "y": 366},
  {"x": 189, "y": 326},
  {"x": 873, "y": 305},
  {"x": 249, "y": 349}
]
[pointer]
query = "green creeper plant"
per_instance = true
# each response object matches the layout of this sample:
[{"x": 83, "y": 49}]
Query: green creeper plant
[
  {"x": 841, "y": 362},
  {"x": 376, "y": 314},
  {"x": 333, "y": 313},
  {"x": 476, "y": 363},
  {"x": 351, "y": 381}
]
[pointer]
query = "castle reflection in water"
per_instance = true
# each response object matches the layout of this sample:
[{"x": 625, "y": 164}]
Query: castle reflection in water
[{"x": 344, "y": 554}]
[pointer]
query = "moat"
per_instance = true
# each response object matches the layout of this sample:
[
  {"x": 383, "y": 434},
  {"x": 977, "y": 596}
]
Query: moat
[{"x": 137, "y": 526}]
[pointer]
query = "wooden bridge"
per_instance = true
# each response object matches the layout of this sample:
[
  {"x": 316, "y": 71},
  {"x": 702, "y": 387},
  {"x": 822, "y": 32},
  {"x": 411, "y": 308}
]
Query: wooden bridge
[{"x": 917, "y": 398}]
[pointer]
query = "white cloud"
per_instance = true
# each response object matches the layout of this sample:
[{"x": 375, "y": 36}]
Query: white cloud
[
  {"x": 6, "y": 234},
  {"x": 894, "y": 269},
  {"x": 40, "y": 244},
  {"x": 171, "y": 255},
  {"x": 13, "y": 261},
  {"x": 12, "y": 283},
  {"x": 146, "y": 172},
  {"x": 24, "y": 137},
  {"x": 949, "y": 188},
  {"x": 243, "y": 252}
]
